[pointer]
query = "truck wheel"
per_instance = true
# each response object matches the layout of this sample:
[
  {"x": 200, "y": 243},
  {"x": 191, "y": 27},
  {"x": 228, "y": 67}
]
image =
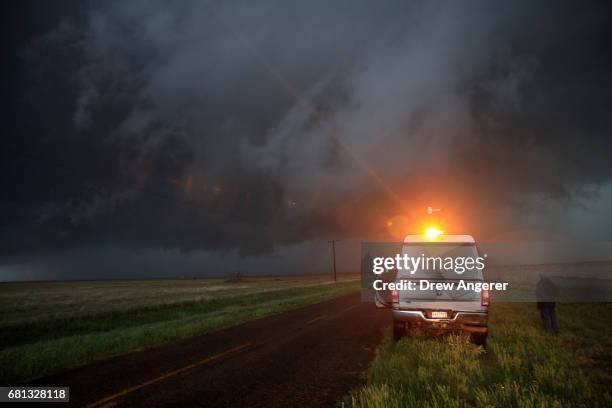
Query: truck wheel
[
  {"x": 480, "y": 339},
  {"x": 399, "y": 330}
]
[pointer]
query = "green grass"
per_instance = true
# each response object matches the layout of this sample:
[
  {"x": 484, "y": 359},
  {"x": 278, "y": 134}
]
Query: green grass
[
  {"x": 521, "y": 367},
  {"x": 23, "y": 302},
  {"x": 50, "y": 343}
]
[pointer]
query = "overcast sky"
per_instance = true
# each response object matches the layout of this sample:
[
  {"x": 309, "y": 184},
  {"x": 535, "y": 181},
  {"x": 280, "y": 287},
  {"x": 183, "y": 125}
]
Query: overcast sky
[{"x": 245, "y": 130}]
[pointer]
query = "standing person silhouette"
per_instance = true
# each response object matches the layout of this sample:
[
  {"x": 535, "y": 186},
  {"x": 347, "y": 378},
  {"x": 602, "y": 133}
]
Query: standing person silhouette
[{"x": 546, "y": 294}]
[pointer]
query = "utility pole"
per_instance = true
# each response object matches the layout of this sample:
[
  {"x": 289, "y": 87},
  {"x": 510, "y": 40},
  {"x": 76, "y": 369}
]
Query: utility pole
[{"x": 333, "y": 245}]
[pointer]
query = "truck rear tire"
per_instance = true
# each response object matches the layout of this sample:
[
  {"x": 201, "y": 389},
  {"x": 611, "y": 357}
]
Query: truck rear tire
[
  {"x": 480, "y": 339},
  {"x": 399, "y": 330}
]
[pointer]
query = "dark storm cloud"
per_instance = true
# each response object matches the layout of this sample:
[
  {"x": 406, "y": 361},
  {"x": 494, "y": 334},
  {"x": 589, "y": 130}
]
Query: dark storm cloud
[{"x": 176, "y": 125}]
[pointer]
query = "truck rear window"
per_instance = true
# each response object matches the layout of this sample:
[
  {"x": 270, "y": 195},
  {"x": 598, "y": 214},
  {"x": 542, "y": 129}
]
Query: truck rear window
[{"x": 443, "y": 251}]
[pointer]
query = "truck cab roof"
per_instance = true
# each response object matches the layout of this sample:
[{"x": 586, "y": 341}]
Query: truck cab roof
[{"x": 450, "y": 239}]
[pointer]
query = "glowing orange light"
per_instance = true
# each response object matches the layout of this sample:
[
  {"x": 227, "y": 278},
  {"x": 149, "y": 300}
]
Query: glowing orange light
[{"x": 433, "y": 232}]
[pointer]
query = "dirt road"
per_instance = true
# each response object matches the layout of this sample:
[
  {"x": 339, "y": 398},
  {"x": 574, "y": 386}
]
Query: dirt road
[{"x": 306, "y": 357}]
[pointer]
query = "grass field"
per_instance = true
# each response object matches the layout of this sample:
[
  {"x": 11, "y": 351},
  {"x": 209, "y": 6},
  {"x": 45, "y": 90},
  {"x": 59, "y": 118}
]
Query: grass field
[
  {"x": 521, "y": 367},
  {"x": 46, "y": 328}
]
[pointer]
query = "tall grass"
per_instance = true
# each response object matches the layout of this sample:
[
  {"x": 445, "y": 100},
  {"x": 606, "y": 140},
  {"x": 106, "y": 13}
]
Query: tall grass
[{"x": 521, "y": 367}]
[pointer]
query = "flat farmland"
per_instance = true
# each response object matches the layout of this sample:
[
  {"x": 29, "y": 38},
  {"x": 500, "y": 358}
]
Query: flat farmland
[{"x": 48, "y": 327}]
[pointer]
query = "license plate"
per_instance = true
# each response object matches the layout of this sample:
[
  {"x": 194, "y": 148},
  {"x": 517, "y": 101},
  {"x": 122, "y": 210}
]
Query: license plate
[{"x": 439, "y": 315}]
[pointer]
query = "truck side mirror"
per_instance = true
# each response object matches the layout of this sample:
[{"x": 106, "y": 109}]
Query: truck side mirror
[{"x": 383, "y": 298}]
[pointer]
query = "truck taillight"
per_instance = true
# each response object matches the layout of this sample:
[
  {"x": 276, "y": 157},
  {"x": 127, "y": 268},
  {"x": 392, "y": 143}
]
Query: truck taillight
[
  {"x": 394, "y": 297},
  {"x": 485, "y": 298}
]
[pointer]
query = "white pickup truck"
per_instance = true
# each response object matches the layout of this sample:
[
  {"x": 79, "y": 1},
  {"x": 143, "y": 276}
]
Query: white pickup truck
[{"x": 438, "y": 310}]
